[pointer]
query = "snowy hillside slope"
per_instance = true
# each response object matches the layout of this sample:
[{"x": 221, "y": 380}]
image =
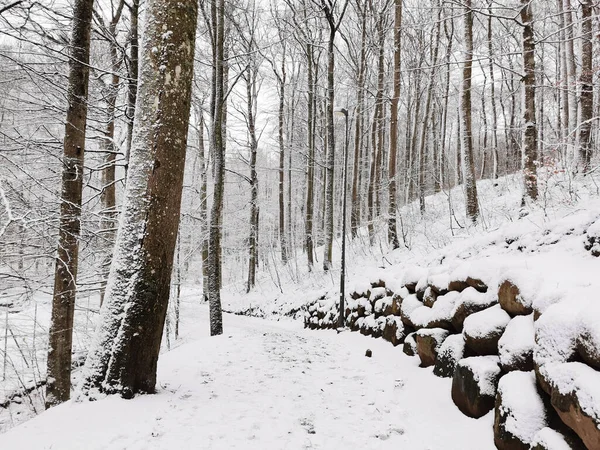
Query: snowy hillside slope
[{"x": 543, "y": 241}]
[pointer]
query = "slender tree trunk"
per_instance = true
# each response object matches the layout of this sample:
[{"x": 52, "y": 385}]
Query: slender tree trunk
[
  {"x": 358, "y": 127},
  {"x": 124, "y": 356},
  {"x": 469, "y": 165},
  {"x": 60, "y": 341},
  {"x": 310, "y": 172},
  {"x": 218, "y": 146},
  {"x": 492, "y": 95},
  {"x": 392, "y": 231},
  {"x": 572, "y": 73},
  {"x": 109, "y": 188},
  {"x": 587, "y": 88},
  {"x": 426, "y": 115},
  {"x": 564, "y": 83},
  {"x": 132, "y": 84},
  {"x": 253, "y": 238},
  {"x": 530, "y": 134},
  {"x": 281, "y": 124},
  {"x": 204, "y": 229},
  {"x": 330, "y": 158},
  {"x": 334, "y": 25},
  {"x": 378, "y": 120},
  {"x": 449, "y": 32}
]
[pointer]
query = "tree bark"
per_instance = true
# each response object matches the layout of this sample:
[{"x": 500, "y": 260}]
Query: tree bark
[
  {"x": 109, "y": 188},
  {"x": 124, "y": 354},
  {"x": 204, "y": 229},
  {"x": 310, "y": 173},
  {"x": 469, "y": 165},
  {"x": 132, "y": 84},
  {"x": 218, "y": 147},
  {"x": 253, "y": 147},
  {"x": 587, "y": 88},
  {"x": 60, "y": 341},
  {"x": 530, "y": 134},
  {"x": 281, "y": 80},
  {"x": 492, "y": 95},
  {"x": 330, "y": 152},
  {"x": 392, "y": 230}
]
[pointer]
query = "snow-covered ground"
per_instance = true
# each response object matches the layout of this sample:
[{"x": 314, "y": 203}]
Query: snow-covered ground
[{"x": 269, "y": 385}]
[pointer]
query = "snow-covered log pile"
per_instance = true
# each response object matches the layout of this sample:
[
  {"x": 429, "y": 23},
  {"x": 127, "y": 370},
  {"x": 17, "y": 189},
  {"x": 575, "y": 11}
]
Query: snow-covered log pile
[{"x": 509, "y": 347}]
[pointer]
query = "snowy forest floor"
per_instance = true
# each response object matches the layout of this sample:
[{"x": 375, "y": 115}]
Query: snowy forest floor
[{"x": 267, "y": 384}]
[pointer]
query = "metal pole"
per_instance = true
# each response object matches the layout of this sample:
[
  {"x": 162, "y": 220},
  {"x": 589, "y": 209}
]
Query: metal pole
[
  {"x": 5, "y": 346},
  {"x": 341, "y": 318}
]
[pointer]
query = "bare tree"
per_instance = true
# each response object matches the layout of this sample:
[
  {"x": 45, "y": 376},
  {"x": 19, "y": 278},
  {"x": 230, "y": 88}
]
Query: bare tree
[
  {"x": 60, "y": 344},
  {"x": 530, "y": 133},
  {"x": 467, "y": 133},
  {"x": 218, "y": 149},
  {"x": 329, "y": 10},
  {"x": 587, "y": 89},
  {"x": 392, "y": 231}
]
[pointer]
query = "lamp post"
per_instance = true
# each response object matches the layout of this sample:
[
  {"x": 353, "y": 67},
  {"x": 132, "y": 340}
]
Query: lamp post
[{"x": 341, "y": 318}]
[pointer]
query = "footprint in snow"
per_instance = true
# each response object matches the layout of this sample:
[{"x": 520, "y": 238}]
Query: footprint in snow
[
  {"x": 308, "y": 425},
  {"x": 389, "y": 433}
]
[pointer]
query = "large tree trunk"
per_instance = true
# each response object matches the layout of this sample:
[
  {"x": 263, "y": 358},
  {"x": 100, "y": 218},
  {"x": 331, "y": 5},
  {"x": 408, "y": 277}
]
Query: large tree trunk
[
  {"x": 124, "y": 354},
  {"x": 60, "y": 341},
  {"x": 469, "y": 164},
  {"x": 392, "y": 231},
  {"x": 587, "y": 88},
  {"x": 530, "y": 134}
]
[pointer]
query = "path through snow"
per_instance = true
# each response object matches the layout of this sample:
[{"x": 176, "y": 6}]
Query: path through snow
[{"x": 268, "y": 385}]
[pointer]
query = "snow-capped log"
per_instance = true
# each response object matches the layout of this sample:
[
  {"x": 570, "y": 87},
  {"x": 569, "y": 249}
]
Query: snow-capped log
[
  {"x": 470, "y": 302},
  {"x": 394, "y": 330},
  {"x": 483, "y": 330},
  {"x": 519, "y": 412},
  {"x": 474, "y": 385},
  {"x": 556, "y": 335},
  {"x": 575, "y": 395},
  {"x": 592, "y": 243},
  {"x": 409, "y": 304},
  {"x": 412, "y": 276},
  {"x": 410, "y": 345},
  {"x": 588, "y": 341},
  {"x": 428, "y": 343},
  {"x": 516, "y": 292},
  {"x": 124, "y": 354},
  {"x": 515, "y": 347},
  {"x": 550, "y": 439},
  {"x": 429, "y": 297},
  {"x": 449, "y": 354},
  {"x": 468, "y": 275}
]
